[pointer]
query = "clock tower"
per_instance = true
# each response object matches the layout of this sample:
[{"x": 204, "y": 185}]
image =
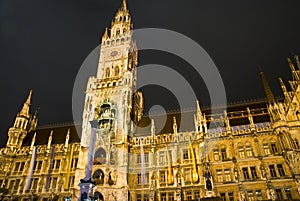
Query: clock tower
[{"x": 109, "y": 101}]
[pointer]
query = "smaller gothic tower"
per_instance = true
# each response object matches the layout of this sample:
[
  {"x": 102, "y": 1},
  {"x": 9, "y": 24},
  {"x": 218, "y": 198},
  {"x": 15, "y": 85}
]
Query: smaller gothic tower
[{"x": 24, "y": 123}]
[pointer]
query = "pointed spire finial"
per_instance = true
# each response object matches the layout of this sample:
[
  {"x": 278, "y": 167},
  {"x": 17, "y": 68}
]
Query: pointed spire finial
[
  {"x": 175, "y": 128},
  {"x": 152, "y": 127},
  {"x": 67, "y": 139},
  {"x": 25, "y": 109},
  {"x": 105, "y": 35},
  {"x": 268, "y": 91},
  {"x": 33, "y": 141},
  {"x": 283, "y": 87},
  {"x": 198, "y": 109},
  {"x": 297, "y": 61},
  {"x": 50, "y": 140},
  {"x": 124, "y": 5},
  {"x": 292, "y": 67}
]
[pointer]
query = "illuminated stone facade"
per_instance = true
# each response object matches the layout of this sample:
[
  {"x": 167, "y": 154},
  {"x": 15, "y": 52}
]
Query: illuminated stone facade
[{"x": 249, "y": 151}]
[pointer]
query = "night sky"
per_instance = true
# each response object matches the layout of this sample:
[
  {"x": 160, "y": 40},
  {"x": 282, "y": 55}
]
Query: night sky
[{"x": 43, "y": 44}]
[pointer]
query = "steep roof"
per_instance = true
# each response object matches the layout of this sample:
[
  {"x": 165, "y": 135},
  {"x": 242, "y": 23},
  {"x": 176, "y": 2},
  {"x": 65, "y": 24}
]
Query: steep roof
[
  {"x": 59, "y": 134},
  {"x": 163, "y": 123},
  {"x": 185, "y": 119}
]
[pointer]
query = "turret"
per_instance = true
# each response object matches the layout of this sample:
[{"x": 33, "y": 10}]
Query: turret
[
  {"x": 122, "y": 22},
  {"x": 22, "y": 125},
  {"x": 200, "y": 120}
]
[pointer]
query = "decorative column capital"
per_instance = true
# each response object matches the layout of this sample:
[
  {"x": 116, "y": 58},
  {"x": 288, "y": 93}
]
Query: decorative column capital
[{"x": 94, "y": 123}]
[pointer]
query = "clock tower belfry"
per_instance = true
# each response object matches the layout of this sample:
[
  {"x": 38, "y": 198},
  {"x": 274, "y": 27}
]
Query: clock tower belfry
[
  {"x": 108, "y": 102},
  {"x": 110, "y": 92}
]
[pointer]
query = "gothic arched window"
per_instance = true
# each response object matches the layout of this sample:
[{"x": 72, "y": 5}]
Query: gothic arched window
[
  {"x": 100, "y": 156},
  {"x": 107, "y": 73},
  {"x": 296, "y": 142},
  {"x": 117, "y": 71},
  {"x": 124, "y": 30},
  {"x": 118, "y": 32},
  {"x": 249, "y": 150}
]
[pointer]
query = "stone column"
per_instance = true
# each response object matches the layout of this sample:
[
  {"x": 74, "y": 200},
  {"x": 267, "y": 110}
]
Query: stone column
[{"x": 86, "y": 185}]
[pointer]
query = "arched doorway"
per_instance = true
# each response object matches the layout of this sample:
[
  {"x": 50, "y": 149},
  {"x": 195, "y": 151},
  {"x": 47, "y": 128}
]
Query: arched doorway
[{"x": 98, "y": 196}]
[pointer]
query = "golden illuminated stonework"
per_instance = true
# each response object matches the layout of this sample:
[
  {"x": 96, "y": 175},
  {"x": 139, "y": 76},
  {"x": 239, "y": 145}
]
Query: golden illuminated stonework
[{"x": 248, "y": 151}]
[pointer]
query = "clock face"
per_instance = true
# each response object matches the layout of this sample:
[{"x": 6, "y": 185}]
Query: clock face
[{"x": 114, "y": 53}]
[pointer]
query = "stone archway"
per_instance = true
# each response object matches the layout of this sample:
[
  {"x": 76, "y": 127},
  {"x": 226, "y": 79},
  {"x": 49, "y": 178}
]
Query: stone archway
[
  {"x": 98, "y": 196},
  {"x": 100, "y": 156},
  {"x": 98, "y": 177}
]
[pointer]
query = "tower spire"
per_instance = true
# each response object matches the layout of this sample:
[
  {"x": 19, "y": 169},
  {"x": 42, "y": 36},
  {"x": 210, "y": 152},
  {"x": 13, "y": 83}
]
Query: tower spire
[
  {"x": 124, "y": 5},
  {"x": 297, "y": 61},
  {"x": 25, "y": 109},
  {"x": 268, "y": 91}
]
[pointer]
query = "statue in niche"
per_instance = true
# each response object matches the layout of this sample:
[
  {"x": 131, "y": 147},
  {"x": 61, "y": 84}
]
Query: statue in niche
[
  {"x": 110, "y": 181},
  {"x": 207, "y": 176},
  {"x": 98, "y": 177},
  {"x": 263, "y": 171},
  {"x": 153, "y": 180}
]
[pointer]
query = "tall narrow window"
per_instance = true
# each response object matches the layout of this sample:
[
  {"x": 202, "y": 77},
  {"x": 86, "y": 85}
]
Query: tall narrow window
[
  {"x": 274, "y": 148},
  {"x": 227, "y": 175},
  {"x": 185, "y": 153},
  {"x": 197, "y": 195},
  {"x": 216, "y": 155},
  {"x": 163, "y": 197},
  {"x": 139, "y": 179},
  {"x": 296, "y": 142},
  {"x": 138, "y": 197},
  {"x": 17, "y": 166},
  {"x": 146, "y": 158},
  {"x": 250, "y": 195},
  {"x": 272, "y": 171},
  {"x": 288, "y": 194},
  {"x": 219, "y": 176},
  {"x": 189, "y": 195},
  {"x": 139, "y": 159},
  {"x": 117, "y": 71},
  {"x": 11, "y": 185},
  {"x": 266, "y": 149},
  {"x": 170, "y": 196},
  {"x": 107, "y": 73},
  {"x": 223, "y": 196},
  {"x": 162, "y": 157},
  {"x": 74, "y": 163},
  {"x": 241, "y": 152},
  {"x": 162, "y": 177},
  {"x": 249, "y": 150},
  {"x": 253, "y": 172},
  {"x": 187, "y": 176},
  {"x": 118, "y": 32},
  {"x": 223, "y": 153},
  {"x": 258, "y": 194},
  {"x": 245, "y": 173},
  {"x": 231, "y": 197},
  {"x": 278, "y": 194},
  {"x": 280, "y": 170},
  {"x": 17, "y": 184}
]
